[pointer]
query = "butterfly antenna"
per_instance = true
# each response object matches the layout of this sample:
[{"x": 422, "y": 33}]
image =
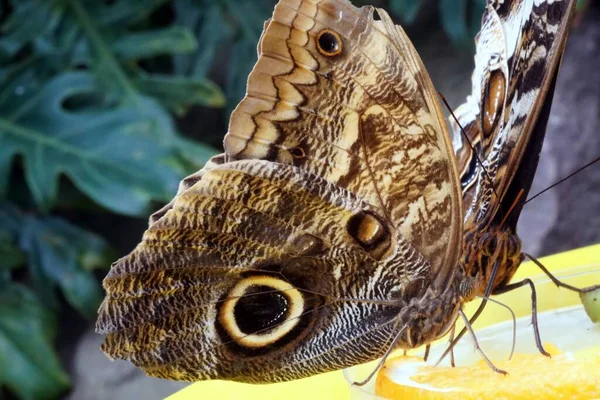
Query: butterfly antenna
[
  {"x": 563, "y": 179},
  {"x": 512, "y": 207},
  {"x": 468, "y": 139}
]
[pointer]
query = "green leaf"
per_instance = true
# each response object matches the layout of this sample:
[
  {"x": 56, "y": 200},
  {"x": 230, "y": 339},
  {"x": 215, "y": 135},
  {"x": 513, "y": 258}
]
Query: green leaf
[
  {"x": 243, "y": 57},
  {"x": 454, "y": 19},
  {"x": 250, "y": 16},
  {"x": 98, "y": 126},
  {"x": 477, "y": 10},
  {"x": 11, "y": 221},
  {"x": 123, "y": 13},
  {"x": 250, "y": 19},
  {"x": 210, "y": 27},
  {"x": 28, "y": 365},
  {"x": 40, "y": 18},
  {"x": 178, "y": 91},
  {"x": 58, "y": 254},
  {"x": 115, "y": 154},
  {"x": 10, "y": 257},
  {"x": 170, "y": 40},
  {"x": 194, "y": 154},
  {"x": 232, "y": 24},
  {"x": 63, "y": 255},
  {"x": 406, "y": 9}
]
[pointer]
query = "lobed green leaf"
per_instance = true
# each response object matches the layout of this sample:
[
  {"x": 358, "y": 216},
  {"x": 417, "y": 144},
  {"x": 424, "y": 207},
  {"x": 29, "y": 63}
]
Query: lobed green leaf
[
  {"x": 171, "y": 40},
  {"x": 104, "y": 126},
  {"x": 178, "y": 92}
]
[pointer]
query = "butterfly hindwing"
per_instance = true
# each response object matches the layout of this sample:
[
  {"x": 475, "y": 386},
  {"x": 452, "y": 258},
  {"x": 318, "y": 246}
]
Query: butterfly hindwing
[{"x": 260, "y": 272}]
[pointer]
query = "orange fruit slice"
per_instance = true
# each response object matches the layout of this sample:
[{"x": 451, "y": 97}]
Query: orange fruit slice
[{"x": 531, "y": 376}]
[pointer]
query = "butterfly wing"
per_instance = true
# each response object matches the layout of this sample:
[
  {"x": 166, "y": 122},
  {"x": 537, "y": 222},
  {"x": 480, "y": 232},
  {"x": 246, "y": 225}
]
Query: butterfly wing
[
  {"x": 332, "y": 219},
  {"x": 518, "y": 52},
  {"x": 249, "y": 245},
  {"x": 365, "y": 117}
]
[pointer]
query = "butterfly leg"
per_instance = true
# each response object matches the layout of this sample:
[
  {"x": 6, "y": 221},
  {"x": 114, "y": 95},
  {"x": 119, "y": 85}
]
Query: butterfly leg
[
  {"x": 450, "y": 339},
  {"x": 557, "y": 281},
  {"x": 476, "y": 315},
  {"x": 477, "y": 347},
  {"x": 534, "y": 319}
]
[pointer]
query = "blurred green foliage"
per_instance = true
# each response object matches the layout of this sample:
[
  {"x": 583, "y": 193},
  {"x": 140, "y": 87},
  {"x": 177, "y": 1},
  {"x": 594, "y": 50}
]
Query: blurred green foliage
[
  {"x": 460, "y": 19},
  {"x": 83, "y": 94},
  {"x": 92, "y": 90}
]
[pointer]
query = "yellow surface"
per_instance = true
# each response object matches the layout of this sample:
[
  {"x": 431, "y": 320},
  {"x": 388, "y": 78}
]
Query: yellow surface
[
  {"x": 562, "y": 376},
  {"x": 333, "y": 385}
]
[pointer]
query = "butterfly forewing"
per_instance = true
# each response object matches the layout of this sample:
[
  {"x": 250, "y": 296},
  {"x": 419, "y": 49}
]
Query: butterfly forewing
[{"x": 364, "y": 117}]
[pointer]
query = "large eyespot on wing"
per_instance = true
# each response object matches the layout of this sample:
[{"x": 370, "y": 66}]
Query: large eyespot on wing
[
  {"x": 260, "y": 310},
  {"x": 345, "y": 97},
  {"x": 518, "y": 52},
  {"x": 258, "y": 272}
]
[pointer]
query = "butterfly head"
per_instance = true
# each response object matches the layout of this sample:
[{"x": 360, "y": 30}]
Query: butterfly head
[{"x": 496, "y": 247}]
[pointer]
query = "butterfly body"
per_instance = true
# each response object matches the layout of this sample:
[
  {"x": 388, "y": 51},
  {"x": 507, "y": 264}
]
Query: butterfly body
[
  {"x": 492, "y": 247},
  {"x": 332, "y": 227}
]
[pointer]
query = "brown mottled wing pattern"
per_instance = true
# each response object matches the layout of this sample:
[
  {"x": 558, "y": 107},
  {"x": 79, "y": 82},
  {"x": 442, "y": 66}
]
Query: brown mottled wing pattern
[
  {"x": 327, "y": 229},
  {"x": 518, "y": 52},
  {"x": 366, "y": 119},
  {"x": 257, "y": 218}
]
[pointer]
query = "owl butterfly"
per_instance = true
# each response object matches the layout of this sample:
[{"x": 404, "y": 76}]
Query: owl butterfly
[{"x": 331, "y": 228}]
